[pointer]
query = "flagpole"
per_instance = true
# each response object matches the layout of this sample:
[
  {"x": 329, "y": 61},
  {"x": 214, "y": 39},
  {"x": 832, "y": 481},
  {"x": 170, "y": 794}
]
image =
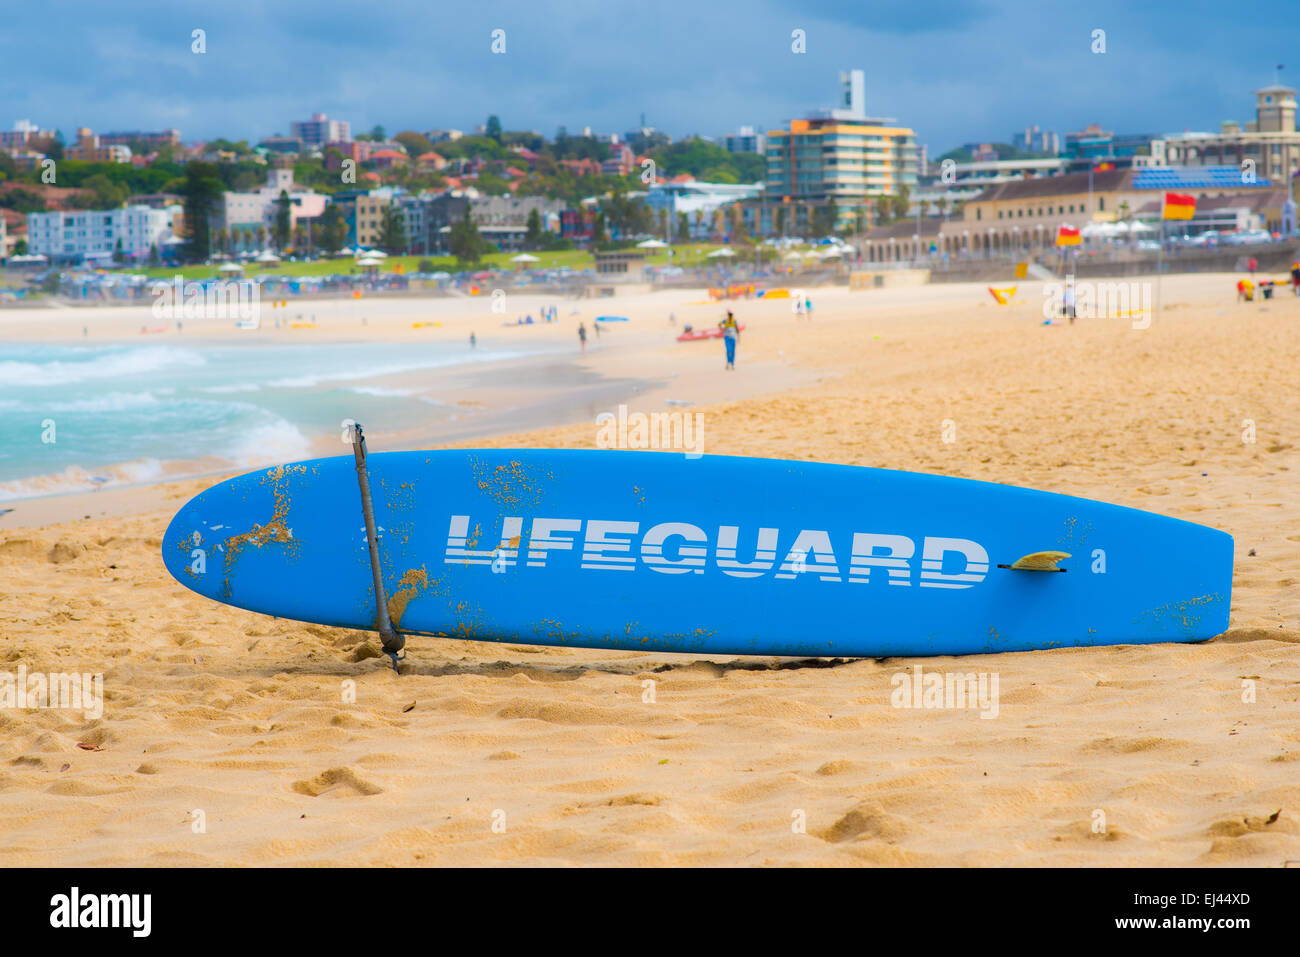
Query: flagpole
[{"x": 1160, "y": 263}]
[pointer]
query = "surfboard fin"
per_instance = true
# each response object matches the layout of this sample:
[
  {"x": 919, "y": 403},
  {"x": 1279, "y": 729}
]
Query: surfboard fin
[{"x": 1038, "y": 562}]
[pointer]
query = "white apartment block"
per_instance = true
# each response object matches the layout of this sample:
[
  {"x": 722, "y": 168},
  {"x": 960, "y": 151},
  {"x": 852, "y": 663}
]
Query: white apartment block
[
  {"x": 250, "y": 210},
  {"x": 94, "y": 234},
  {"x": 320, "y": 130}
]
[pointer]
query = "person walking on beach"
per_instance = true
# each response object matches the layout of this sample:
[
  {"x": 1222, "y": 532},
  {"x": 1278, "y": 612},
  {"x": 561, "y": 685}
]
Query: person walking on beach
[
  {"x": 730, "y": 335},
  {"x": 473, "y": 341},
  {"x": 1067, "y": 302},
  {"x": 582, "y": 337},
  {"x": 1295, "y": 278},
  {"x": 807, "y": 307}
]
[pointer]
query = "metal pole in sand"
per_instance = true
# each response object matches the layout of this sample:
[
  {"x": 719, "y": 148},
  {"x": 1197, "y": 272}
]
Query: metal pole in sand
[
  {"x": 1160, "y": 264},
  {"x": 393, "y": 640}
]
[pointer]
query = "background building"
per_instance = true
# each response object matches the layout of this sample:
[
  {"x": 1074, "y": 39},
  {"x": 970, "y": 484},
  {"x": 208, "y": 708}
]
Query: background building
[
  {"x": 965, "y": 181},
  {"x": 1032, "y": 139},
  {"x": 1270, "y": 142},
  {"x": 24, "y": 132},
  {"x": 697, "y": 201},
  {"x": 83, "y": 235},
  {"x": 149, "y": 139},
  {"x": 320, "y": 130},
  {"x": 1093, "y": 145},
  {"x": 838, "y": 157},
  {"x": 247, "y": 211},
  {"x": 1022, "y": 217},
  {"x": 503, "y": 220},
  {"x": 745, "y": 140},
  {"x": 89, "y": 148},
  {"x": 364, "y": 213}
]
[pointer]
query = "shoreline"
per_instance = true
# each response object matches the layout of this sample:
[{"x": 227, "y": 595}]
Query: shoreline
[{"x": 547, "y": 387}]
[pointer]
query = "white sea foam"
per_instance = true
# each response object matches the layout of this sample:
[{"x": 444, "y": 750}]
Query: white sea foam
[
  {"x": 374, "y": 372},
  {"x": 112, "y": 365},
  {"x": 224, "y": 389},
  {"x": 275, "y": 441},
  {"x": 108, "y": 402},
  {"x": 77, "y": 479}
]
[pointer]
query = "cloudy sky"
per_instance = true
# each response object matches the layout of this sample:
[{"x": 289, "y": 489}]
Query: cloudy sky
[{"x": 954, "y": 70}]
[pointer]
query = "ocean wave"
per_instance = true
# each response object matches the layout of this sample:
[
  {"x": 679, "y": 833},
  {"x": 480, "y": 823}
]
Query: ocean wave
[
  {"x": 108, "y": 402},
  {"x": 375, "y": 372},
  {"x": 77, "y": 479},
  {"x": 275, "y": 441},
  {"x": 134, "y": 361},
  {"x": 224, "y": 389}
]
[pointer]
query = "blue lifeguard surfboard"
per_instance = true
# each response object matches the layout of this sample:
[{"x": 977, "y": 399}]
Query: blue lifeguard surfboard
[{"x": 657, "y": 551}]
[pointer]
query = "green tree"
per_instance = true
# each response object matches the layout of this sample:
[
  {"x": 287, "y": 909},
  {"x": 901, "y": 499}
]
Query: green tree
[
  {"x": 201, "y": 192},
  {"x": 533, "y": 234},
  {"x": 119, "y": 255},
  {"x": 493, "y": 128},
  {"x": 465, "y": 242},
  {"x": 333, "y": 229},
  {"x": 154, "y": 258},
  {"x": 417, "y": 144},
  {"x": 392, "y": 235},
  {"x": 823, "y": 222},
  {"x": 20, "y": 248},
  {"x": 683, "y": 228},
  {"x": 281, "y": 227},
  {"x": 378, "y": 134},
  {"x": 491, "y": 184}
]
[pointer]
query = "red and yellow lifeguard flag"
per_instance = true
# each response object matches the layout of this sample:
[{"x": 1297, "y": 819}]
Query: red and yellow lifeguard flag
[
  {"x": 1068, "y": 236},
  {"x": 1179, "y": 206},
  {"x": 1103, "y": 167}
]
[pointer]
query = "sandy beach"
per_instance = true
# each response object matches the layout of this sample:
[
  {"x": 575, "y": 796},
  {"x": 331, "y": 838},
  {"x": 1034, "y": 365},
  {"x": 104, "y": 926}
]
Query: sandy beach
[{"x": 489, "y": 754}]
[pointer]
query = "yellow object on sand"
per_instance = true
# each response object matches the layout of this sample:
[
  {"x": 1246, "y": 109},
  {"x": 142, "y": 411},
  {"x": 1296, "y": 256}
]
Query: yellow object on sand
[
  {"x": 421, "y": 325},
  {"x": 1004, "y": 294},
  {"x": 302, "y": 325},
  {"x": 1022, "y": 270}
]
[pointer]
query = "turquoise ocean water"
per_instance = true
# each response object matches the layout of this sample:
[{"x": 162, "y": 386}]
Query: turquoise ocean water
[{"x": 77, "y": 417}]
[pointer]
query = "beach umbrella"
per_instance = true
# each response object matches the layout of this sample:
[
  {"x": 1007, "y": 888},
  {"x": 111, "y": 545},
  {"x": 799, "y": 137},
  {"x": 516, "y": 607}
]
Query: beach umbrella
[
  {"x": 524, "y": 258},
  {"x": 230, "y": 267},
  {"x": 369, "y": 261},
  {"x": 724, "y": 252},
  {"x": 266, "y": 256},
  {"x": 651, "y": 244}
]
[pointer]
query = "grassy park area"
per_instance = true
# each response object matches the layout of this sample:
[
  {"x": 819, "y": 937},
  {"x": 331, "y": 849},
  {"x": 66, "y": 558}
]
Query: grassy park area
[{"x": 690, "y": 256}]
